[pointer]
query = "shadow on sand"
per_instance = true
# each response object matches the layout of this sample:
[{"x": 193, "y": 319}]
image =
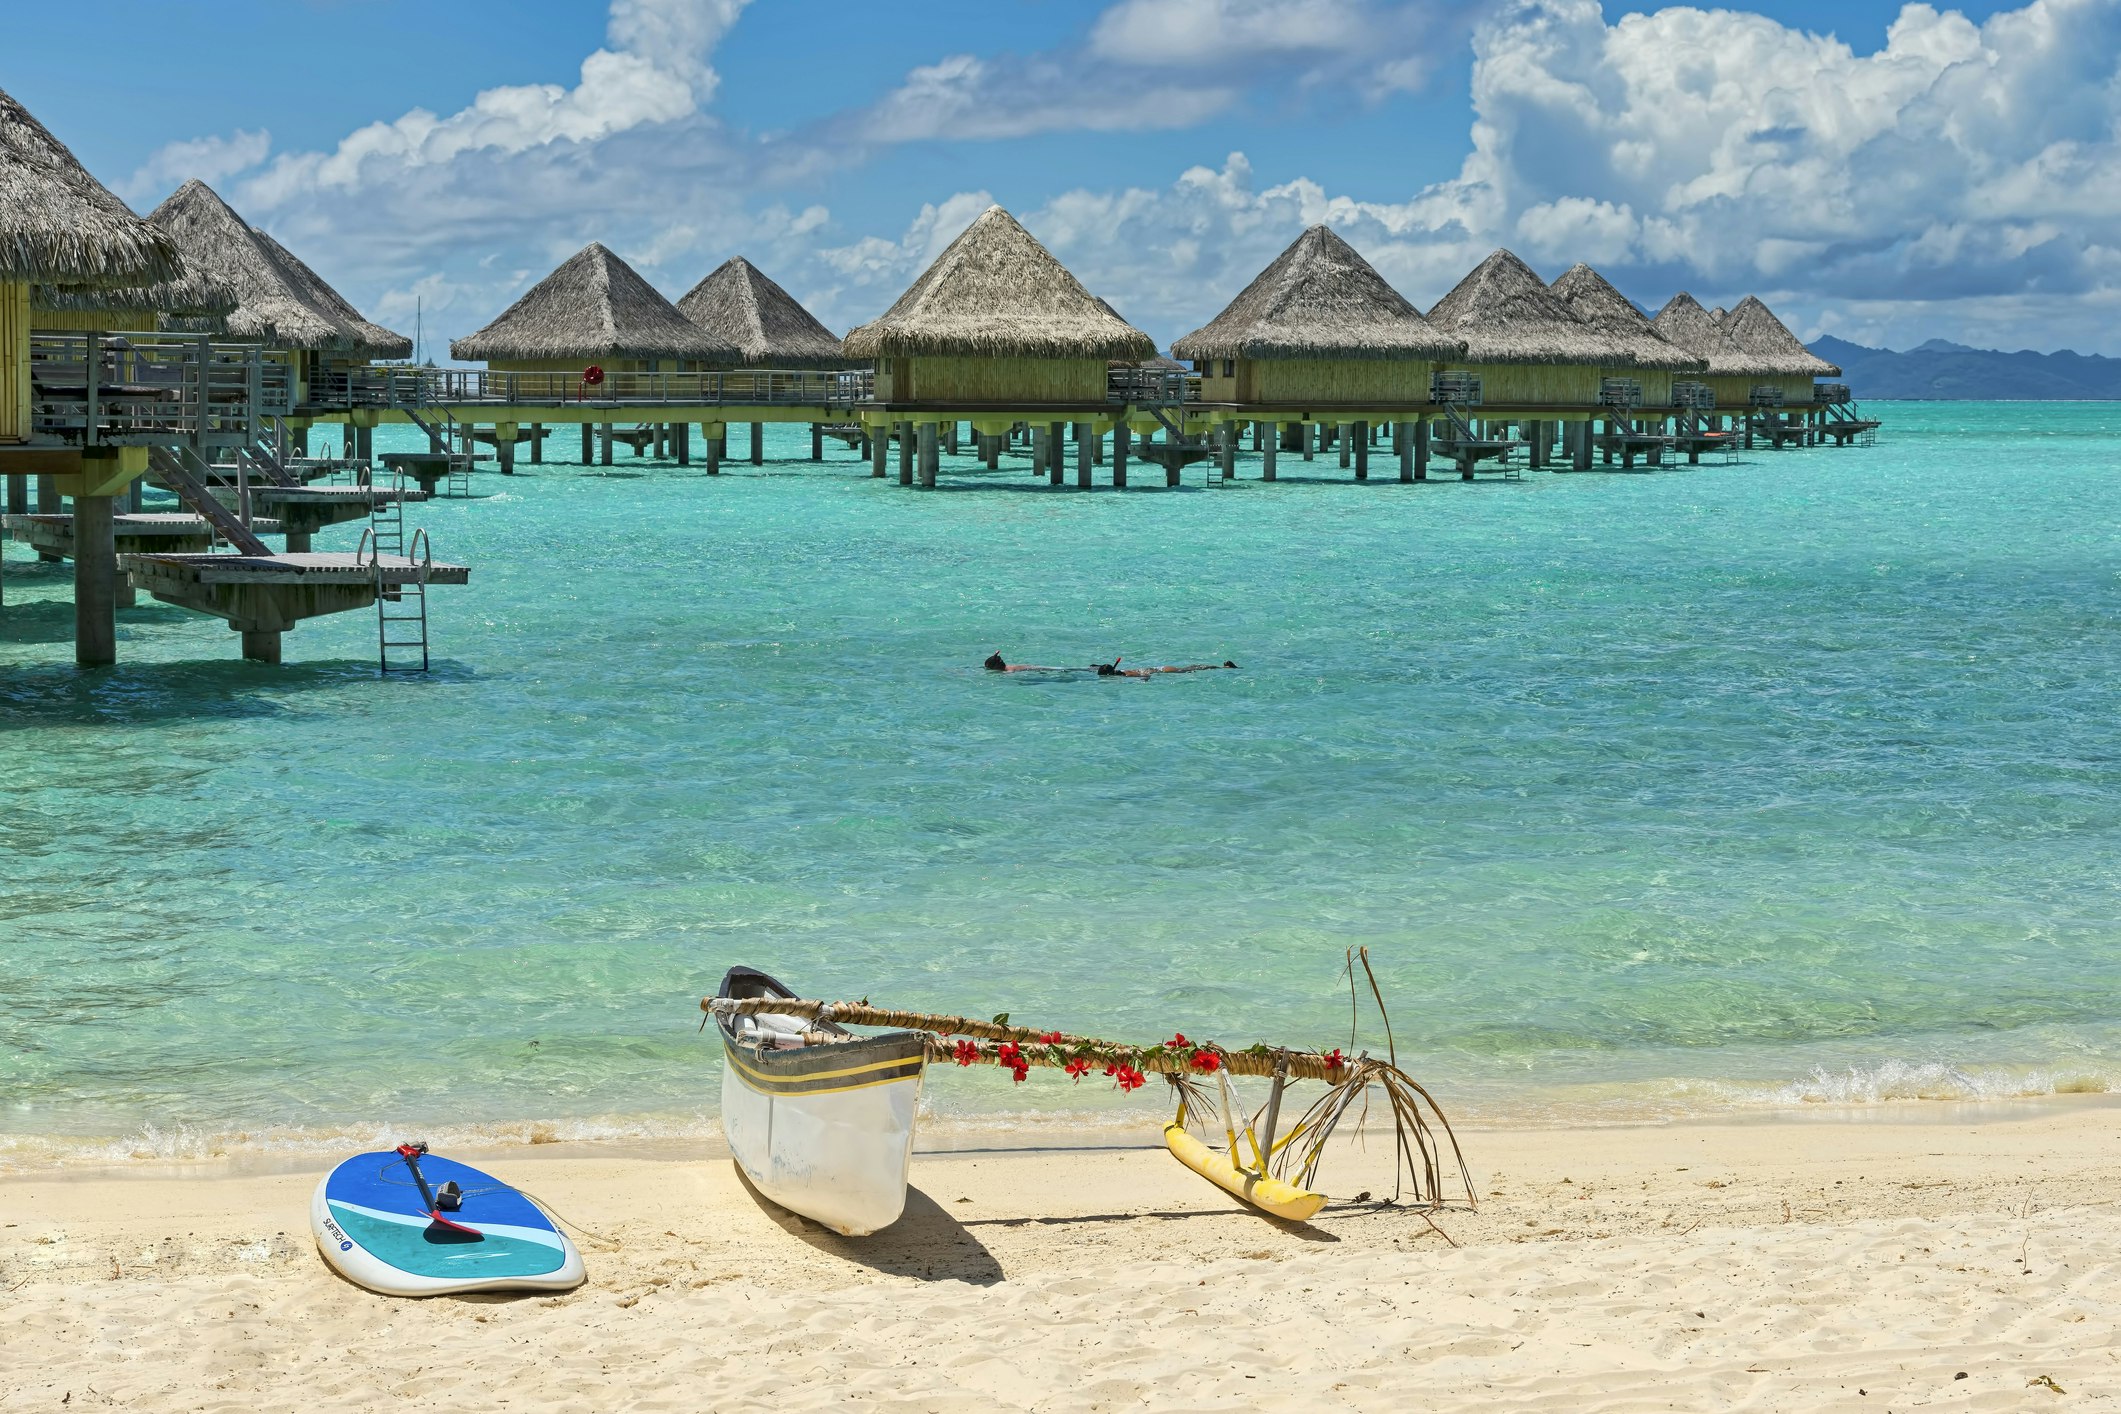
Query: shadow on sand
[{"x": 926, "y": 1243}]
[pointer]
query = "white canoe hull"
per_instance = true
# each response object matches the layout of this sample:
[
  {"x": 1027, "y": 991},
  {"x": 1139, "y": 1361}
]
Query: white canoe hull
[{"x": 833, "y": 1144}]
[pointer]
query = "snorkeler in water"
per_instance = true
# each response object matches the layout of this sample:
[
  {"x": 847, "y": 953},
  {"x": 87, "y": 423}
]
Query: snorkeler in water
[{"x": 995, "y": 664}]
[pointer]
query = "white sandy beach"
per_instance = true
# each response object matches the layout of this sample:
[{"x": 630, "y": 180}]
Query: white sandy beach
[{"x": 1861, "y": 1260}]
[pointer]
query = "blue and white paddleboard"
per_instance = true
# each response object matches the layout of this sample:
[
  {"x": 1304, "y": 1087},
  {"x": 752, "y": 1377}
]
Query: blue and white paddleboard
[{"x": 373, "y": 1225}]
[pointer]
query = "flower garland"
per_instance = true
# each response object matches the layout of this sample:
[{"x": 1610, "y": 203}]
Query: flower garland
[{"x": 1122, "y": 1064}]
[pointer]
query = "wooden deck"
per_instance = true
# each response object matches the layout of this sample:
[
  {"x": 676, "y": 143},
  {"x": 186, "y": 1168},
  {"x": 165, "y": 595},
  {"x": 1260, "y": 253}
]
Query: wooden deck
[{"x": 292, "y": 569}]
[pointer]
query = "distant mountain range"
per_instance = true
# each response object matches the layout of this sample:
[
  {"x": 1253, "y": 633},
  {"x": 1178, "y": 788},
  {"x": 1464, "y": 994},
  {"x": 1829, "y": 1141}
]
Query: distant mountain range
[{"x": 1941, "y": 369}]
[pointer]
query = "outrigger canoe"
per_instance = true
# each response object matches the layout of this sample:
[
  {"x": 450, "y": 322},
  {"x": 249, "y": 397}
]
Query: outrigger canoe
[{"x": 818, "y": 1118}]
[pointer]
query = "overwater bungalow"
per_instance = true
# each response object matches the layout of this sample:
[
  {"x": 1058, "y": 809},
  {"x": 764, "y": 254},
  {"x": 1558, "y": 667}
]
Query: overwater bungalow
[
  {"x": 1729, "y": 371},
  {"x": 596, "y": 312},
  {"x": 740, "y": 306},
  {"x": 281, "y": 303},
  {"x": 999, "y": 330},
  {"x": 1527, "y": 346},
  {"x": 1790, "y": 366},
  {"x": 59, "y": 226},
  {"x": 92, "y": 413},
  {"x": 1320, "y": 337},
  {"x": 1638, "y": 352}
]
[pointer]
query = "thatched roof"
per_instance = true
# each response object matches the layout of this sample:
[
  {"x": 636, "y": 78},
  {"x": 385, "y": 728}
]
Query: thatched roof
[
  {"x": 594, "y": 306},
  {"x": 59, "y": 225},
  {"x": 1319, "y": 299},
  {"x": 1684, "y": 322},
  {"x": 280, "y": 302},
  {"x": 1752, "y": 326},
  {"x": 373, "y": 340},
  {"x": 1636, "y": 343},
  {"x": 738, "y": 305},
  {"x": 193, "y": 295},
  {"x": 1506, "y": 314},
  {"x": 995, "y": 292}
]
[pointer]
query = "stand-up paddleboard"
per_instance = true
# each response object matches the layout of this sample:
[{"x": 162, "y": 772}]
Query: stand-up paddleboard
[{"x": 409, "y": 1223}]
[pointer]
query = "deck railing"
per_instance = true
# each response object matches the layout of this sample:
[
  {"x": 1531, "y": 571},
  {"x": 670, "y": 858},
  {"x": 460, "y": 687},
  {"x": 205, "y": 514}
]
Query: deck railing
[
  {"x": 405, "y": 386},
  {"x": 116, "y": 389},
  {"x": 386, "y": 387}
]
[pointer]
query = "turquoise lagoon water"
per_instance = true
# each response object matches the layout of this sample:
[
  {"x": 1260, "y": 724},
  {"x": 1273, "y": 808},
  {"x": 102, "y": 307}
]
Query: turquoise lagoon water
[{"x": 1655, "y": 793}]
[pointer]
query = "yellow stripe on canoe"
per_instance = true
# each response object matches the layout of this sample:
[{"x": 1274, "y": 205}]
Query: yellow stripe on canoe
[
  {"x": 1269, "y": 1195},
  {"x": 873, "y": 1066}
]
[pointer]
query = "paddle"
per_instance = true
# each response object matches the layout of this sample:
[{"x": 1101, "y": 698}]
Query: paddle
[{"x": 411, "y": 1154}]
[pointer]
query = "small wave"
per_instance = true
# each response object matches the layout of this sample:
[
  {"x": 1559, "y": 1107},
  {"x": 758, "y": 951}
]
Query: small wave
[{"x": 1888, "y": 1081}]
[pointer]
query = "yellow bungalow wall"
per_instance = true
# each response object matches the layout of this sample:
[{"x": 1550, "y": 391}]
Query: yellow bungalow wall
[
  {"x": 1298, "y": 380},
  {"x": 1535, "y": 384},
  {"x": 14, "y": 362},
  {"x": 993, "y": 380}
]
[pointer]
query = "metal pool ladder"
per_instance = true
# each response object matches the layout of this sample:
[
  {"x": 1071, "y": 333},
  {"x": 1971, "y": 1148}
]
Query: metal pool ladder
[{"x": 401, "y": 608}]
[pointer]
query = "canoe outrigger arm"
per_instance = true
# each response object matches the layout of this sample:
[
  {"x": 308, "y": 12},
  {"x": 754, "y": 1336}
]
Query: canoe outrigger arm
[{"x": 1426, "y": 1149}]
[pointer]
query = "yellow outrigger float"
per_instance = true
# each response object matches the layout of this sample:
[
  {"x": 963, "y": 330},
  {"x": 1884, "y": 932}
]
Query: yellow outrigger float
[{"x": 1281, "y": 1169}]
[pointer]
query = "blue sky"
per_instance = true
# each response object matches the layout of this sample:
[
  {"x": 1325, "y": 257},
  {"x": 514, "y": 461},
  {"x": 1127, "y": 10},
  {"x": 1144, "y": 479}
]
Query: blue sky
[{"x": 1890, "y": 174}]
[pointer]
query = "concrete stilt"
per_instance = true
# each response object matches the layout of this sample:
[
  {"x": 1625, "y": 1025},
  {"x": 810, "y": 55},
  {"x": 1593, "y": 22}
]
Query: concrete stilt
[
  {"x": 261, "y": 645},
  {"x": 1340, "y": 436},
  {"x": 537, "y": 444},
  {"x": 1055, "y": 455},
  {"x": 1582, "y": 461},
  {"x": 1536, "y": 432},
  {"x": 878, "y": 444},
  {"x": 1403, "y": 448},
  {"x": 1269, "y": 449},
  {"x": 48, "y": 503},
  {"x": 950, "y": 436},
  {"x": 711, "y": 446},
  {"x": 605, "y": 454},
  {"x": 18, "y": 494},
  {"x": 681, "y": 434},
  {"x": 905, "y": 452},
  {"x": 589, "y": 444},
  {"x": 1226, "y": 450},
  {"x": 135, "y": 495},
  {"x": 817, "y": 441},
  {"x": 1122, "y": 436},
  {"x": 1310, "y": 440},
  {"x": 990, "y": 448},
  {"x": 929, "y": 454},
  {"x": 95, "y": 583},
  {"x": 1362, "y": 451},
  {"x": 1172, "y": 475},
  {"x": 758, "y": 444},
  {"x": 504, "y": 450},
  {"x": 1420, "y": 439},
  {"x": 1085, "y": 449}
]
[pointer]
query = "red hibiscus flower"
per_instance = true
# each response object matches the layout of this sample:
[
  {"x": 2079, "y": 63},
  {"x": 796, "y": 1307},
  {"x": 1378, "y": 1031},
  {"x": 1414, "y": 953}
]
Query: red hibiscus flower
[
  {"x": 1051, "y": 1038},
  {"x": 964, "y": 1053},
  {"x": 1078, "y": 1068},
  {"x": 1206, "y": 1062},
  {"x": 1178, "y": 1042},
  {"x": 1333, "y": 1061}
]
